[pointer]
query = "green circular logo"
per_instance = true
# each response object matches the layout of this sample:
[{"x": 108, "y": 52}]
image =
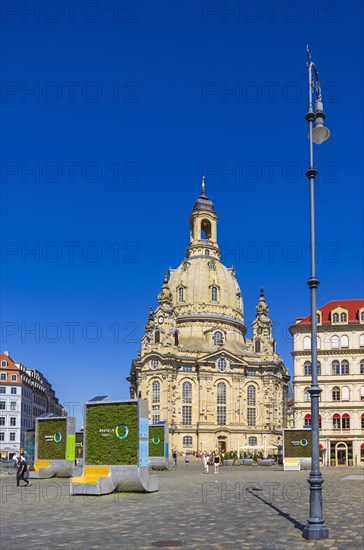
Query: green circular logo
[
  {"x": 303, "y": 442},
  {"x": 57, "y": 437},
  {"x": 119, "y": 431},
  {"x": 155, "y": 440}
]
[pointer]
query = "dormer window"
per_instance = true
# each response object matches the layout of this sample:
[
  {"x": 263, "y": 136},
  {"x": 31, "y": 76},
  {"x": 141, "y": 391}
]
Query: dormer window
[
  {"x": 218, "y": 338},
  {"x": 343, "y": 318},
  {"x": 3, "y": 364},
  {"x": 335, "y": 318},
  {"x": 181, "y": 294},
  {"x": 157, "y": 337},
  {"x": 318, "y": 317},
  {"x": 214, "y": 294},
  {"x": 362, "y": 316}
]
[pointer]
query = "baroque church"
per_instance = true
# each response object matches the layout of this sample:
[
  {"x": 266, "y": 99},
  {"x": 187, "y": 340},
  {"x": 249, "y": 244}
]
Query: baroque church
[{"x": 216, "y": 388}]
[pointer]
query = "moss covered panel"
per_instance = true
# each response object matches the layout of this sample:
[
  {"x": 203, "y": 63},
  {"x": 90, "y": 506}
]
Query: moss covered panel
[
  {"x": 112, "y": 434},
  {"x": 297, "y": 443},
  {"x": 156, "y": 441},
  {"x": 52, "y": 439}
]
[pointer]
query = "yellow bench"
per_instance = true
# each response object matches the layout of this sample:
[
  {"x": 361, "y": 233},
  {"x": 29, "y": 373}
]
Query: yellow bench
[
  {"x": 291, "y": 464},
  {"x": 41, "y": 464},
  {"x": 91, "y": 474}
]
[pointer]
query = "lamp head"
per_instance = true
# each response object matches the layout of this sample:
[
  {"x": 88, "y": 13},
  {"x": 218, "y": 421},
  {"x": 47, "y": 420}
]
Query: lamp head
[{"x": 320, "y": 133}]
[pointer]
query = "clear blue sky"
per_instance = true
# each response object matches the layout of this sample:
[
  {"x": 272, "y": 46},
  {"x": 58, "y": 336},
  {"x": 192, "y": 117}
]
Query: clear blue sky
[{"x": 119, "y": 110}]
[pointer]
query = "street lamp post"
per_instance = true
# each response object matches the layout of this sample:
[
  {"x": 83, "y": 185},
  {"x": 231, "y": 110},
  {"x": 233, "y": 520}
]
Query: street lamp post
[{"x": 315, "y": 528}]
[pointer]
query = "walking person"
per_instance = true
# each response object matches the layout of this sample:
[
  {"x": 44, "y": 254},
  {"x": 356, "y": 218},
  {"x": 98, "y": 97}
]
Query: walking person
[
  {"x": 206, "y": 463},
  {"x": 216, "y": 463},
  {"x": 174, "y": 456},
  {"x": 22, "y": 468}
]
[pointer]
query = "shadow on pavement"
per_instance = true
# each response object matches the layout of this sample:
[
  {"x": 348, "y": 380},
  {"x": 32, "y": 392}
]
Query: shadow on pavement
[{"x": 296, "y": 523}]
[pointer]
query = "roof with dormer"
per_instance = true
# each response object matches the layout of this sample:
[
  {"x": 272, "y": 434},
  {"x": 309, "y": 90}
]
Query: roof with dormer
[{"x": 352, "y": 306}]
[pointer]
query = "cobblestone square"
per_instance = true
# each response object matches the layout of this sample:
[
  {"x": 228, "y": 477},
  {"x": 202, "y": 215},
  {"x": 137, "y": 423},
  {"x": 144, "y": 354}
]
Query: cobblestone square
[{"x": 241, "y": 507}]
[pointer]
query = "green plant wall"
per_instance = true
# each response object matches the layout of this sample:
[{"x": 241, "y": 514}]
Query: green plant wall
[
  {"x": 294, "y": 443},
  {"x": 156, "y": 433},
  {"x": 103, "y": 446},
  {"x": 52, "y": 439},
  {"x": 79, "y": 445}
]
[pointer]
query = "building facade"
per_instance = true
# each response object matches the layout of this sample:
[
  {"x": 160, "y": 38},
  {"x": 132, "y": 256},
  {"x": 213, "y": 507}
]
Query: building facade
[
  {"x": 216, "y": 388},
  {"x": 340, "y": 355},
  {"x": 25, "y": 394}
]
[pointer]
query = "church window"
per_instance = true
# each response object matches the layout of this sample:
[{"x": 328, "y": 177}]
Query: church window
[
  {"x": 335, "y": 342},
  {"x": 211, "y": 265},
  {"x": 343, "y": 318},
  {"x": 221, "y": 364},
  {"x": 187, "y": 368},
  {"x": 336, "y": 394},
  {"x": 257, "y": 346},
  {"x": 154, "y": 363},
  {"x": 251, "y": 372},
  {"x": 252, "y": 392},
  {"x": 214, "y": 293},
  {"x": 181, "y": 294},
  {"x": 251, "y": 416},
  {"x": 335, "y": 367},
  {"x": 218, "y": 337},
  {"x": 253, "y": 441},
  {"x": 221, "y": 404},
  {"x": 176, "y": 341},
  {"x": 157, "y": 337},
  {"x": 186, "y": 392},
  {"x": 186, "y": 415},
  {"x": 187, "y": 441},
  {"x": 344, "y": 367},
  {"x": 307, "y": 368},
  {"x": 155, "y": 414},
  {"x": 156, "y": 391},
  {"x": 207, "y": 253}
]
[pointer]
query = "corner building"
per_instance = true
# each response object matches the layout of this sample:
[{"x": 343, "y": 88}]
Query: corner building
[{"x": 216, "y": 388}]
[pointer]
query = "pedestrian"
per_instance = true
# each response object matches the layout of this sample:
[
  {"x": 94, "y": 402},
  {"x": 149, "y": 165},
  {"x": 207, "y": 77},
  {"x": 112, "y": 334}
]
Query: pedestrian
[
  {"x": 206, "y": 463},
  {"x": 22, "y": 472},
  {"x": 187, "y": 460},
  {"x": 174, "y": 456},
  {"x": 216, "y": 464}
]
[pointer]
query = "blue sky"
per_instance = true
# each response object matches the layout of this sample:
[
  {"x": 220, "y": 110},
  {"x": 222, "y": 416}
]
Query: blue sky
[{"x": 112, "y": 112}]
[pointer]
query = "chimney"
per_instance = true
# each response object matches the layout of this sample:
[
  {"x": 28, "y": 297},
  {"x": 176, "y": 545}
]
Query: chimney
[{"x": 7, "y": 353}]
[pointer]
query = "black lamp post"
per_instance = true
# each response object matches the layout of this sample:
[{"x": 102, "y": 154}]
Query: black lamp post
[{"x": 318, "y": 133}]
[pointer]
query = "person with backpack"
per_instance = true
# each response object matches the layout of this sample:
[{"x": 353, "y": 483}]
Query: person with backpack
[{"x": 22, "y": 472}]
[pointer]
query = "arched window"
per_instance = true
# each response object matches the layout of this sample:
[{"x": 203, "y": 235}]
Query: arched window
[
  {"x": 207, "y": 253},
  {"x": 362, "y": 366},
  {"x": 335, "y": 342},
  {"x": 335, "y": 367},
  {"x": 3, "y": 363},
  {"x": 345, "y": 421},
  {"x": 257, "y": 346},
  {"x": 221, "y": 404},
  {"x": 157, "y": 337},
  {"x": 187, "y": 441},
  {"x": 218, "y": 337},
  {"x": 176, "y": 341},
  {"x": 362, "y": 316},
  {"x": 307, "y": 368},
  {"x": 343, "y": 318},
  {"x": 156, "y": 392},
  {"x": 253, "y": 441},
  {"x": 336, "y": 393},
  {"x": 335, "y": 318},
  {"x": 186, "y": 392},
  {"x": 205, "y": 230},
  {"x": 318, "y": 318},
  {"x": 221, "y": 364},
  {"x": 361, "y": 340},
  {"x": 307, "y": 420},
  {"x": 344, "y": 341},
  {"x": 344, "y": 367},
  {"x": 307, "y": 342},
  {"x": 345, "y": 393},
  {"x": 221, "y": 393},
  {"x": 214, "y": 293},
  {"x": 251, "y": 394},
  {"x": 306, "y": 395},
  {"x": 181, "y": 294}
]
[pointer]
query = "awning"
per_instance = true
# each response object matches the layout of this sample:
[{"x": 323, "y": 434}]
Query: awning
[
  {"x": 346, "y": 415},
  {"x": 307, "y": 416},
  {"x": 321, "y": 446},
  {"x": 336, "y": 415},
  {"x": 362, "y": 446}
]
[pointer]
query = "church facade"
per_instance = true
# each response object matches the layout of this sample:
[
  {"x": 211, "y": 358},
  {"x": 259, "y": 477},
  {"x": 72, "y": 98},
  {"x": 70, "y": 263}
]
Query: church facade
[{"x": 216, "y": 388}]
